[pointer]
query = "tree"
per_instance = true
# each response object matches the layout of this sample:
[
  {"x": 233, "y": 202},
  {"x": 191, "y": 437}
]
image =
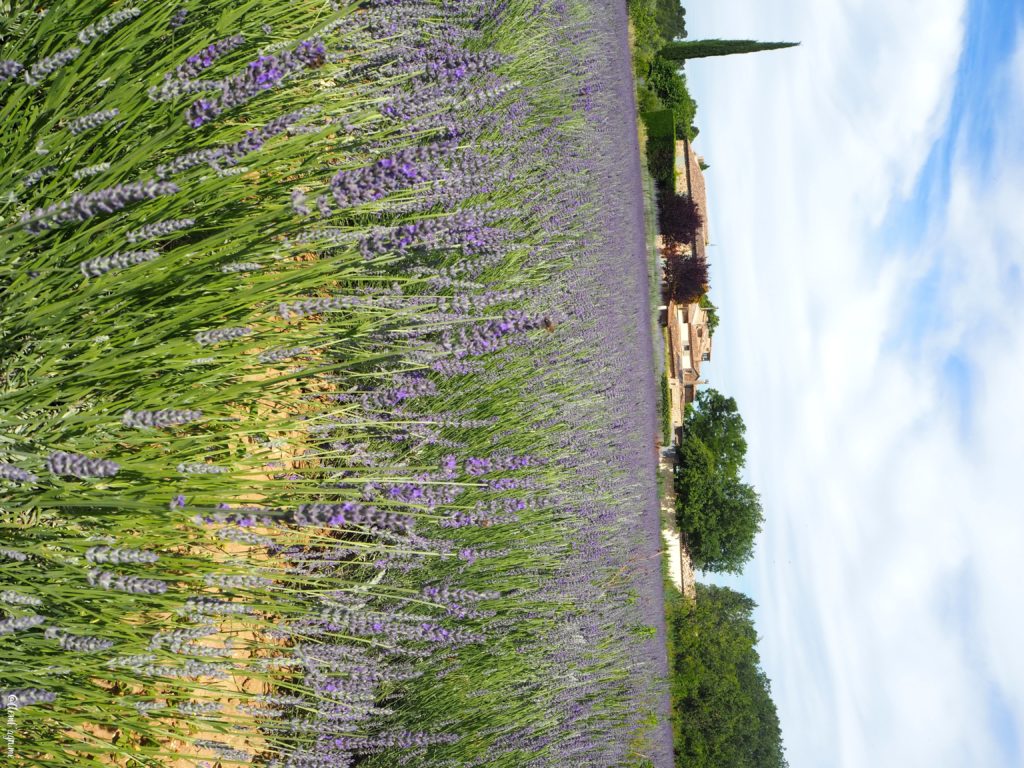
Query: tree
[
  {"x": 721, "y": 694},
  {"x": 671, "y": 18},
  {"x": 712, "y": 313},
  {"x": 698, "y": 49},
  {"x": 715, "y": 419},
  {"x": 720, "y": 514},
  {"x": 686, "y": 277},
  {"x": 679, "y": 218}
]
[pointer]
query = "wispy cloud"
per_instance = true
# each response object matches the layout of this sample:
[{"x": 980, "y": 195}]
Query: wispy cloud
[{"x": 878, "y": 371}]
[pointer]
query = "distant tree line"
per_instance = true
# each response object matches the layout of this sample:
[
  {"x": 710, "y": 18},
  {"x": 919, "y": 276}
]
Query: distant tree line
[{"x": 721, "y": 698}]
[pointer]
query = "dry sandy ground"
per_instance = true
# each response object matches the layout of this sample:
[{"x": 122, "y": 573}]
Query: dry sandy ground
[{"x": 680, "y": 568}]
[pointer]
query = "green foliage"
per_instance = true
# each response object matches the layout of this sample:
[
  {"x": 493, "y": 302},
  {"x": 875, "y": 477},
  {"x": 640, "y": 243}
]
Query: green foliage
[
  {"x": 661, "y": 161},
  {"x": 697, "y": 49},
  {"x": 721, "y": 516},
  {"x": 656, "y": 23},
  {"x": 647, "y": 101},
  {"x": 711, "y": 311},
  {"x": 719, "y": 513},
  {"x": 660, "y": 124},
  {"x": 724, "y": 713},
  {"x": 666, "y": 411},
  {"x": 671, "y": 18},
  {"x": 686, "y": 113},
  {"x": 647, "y": 38},
  {"x": 717, "y": 423},
  {"x": 669, "y": 85},
  {"x": 665, "y": 81},
  {"x": 661, "y": 146},
  {"x": 643, "y": 631}
]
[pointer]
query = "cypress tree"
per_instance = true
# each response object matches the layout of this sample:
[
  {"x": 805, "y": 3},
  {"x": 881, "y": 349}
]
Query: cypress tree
[{"x": 698, "y": 49}]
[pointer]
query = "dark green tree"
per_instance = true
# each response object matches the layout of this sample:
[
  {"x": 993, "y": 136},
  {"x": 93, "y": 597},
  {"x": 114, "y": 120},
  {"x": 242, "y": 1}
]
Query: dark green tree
[
  {"x": 726, "y": 716},
  {"x": 671, "y": 17},
  {"x": 715, "y": 420},
  {"x": 719, "y": 513},
  {"x": 698, "y": 49}
]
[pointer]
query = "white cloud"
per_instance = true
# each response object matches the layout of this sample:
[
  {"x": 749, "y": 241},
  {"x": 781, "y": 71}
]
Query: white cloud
[{"x": 888, "y": 571}]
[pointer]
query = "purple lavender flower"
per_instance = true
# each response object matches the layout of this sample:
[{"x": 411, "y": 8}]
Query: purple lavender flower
[
  {"x": 9, "y": 69},
  {"x": 350, "y": 513},
  {"x": 20, "y": 623},
  {"x": 167, "y": 417},
  {"x": 18, "y": 598},
  {"x": 90, "y": 170},
  {"x": 389, "y": 174},
  {"x": 236, "y": 581},
  {"x": 105, "y": 25},
  {"x": 218, "y": 335},
  {"x": 395, "y": 739},
  {"x": 77, "y": 643},
  {"x": 33, "y": 178},
  {"x": 200, "y": 468},
  {"x": 121, "y": 260},
  {"x": 199, "y": 708},
  {"x": 197, "y": 62},
  {"x": 260, "y": 75},
  {"x": 81, "y": 207},
  {"x": 77, "y": 465},
  {"x": 175, "y": 639},
  {"x": 158, "y": 229},
  {"x": 25, "y": 697},
  {"x": 105, "y": 554},
  {"x": 132, "y": 584},
  {"x": 178, "y": 19},
  {"x": 241, "y": 266},
  {"x": 299, "y": 202},
  {"x": 46, "y": 67},
  {"x": 85, "y": 123},
  {"x": 207, "y": 606},
  {"x": 300, "y": 309},
  {"x": 280, "y": 355},
  {"x": 232, "y": 154},
  {"x": 224, "y": 751},
  {"x": 15, "y": 474}
]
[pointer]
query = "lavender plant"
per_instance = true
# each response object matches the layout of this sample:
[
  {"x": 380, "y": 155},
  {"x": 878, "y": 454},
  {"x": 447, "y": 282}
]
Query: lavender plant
[{"x": 377, "y": 491}]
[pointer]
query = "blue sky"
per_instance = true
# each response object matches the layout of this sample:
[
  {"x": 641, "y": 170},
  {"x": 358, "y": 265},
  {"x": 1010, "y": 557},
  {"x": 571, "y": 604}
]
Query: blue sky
[{"x": 866, "y": 197}]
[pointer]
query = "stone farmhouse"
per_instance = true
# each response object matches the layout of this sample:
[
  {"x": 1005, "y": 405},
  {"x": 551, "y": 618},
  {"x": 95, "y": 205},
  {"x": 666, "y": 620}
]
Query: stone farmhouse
[{"x": 687, "y": 331}]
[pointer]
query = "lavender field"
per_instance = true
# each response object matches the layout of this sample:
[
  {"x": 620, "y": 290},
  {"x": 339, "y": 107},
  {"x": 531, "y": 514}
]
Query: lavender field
[{"x": 327, "y": 413}]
